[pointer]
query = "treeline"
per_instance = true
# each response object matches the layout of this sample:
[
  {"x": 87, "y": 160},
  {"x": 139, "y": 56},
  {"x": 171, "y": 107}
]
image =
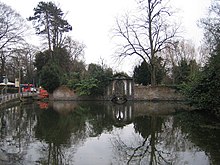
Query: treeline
[
  {"x": 58, "y": 61},
  {"x": 148, "y": 34},
  {"x": 173, "y": 66},
  {"x": 204, "y": 90},
  {"x": 62, "y": 63},
  {"x": 151, "y": 35}
]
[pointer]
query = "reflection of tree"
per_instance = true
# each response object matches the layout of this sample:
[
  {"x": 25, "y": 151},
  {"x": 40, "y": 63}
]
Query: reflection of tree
[
  {"x": 98, "y": 120},
  {"x": 168, "y": 139},
  {"x": 202, "y": 130},
  {"x": 155, "y": 140},
  {"x": 50, "y": 125},
  {"x": 16, "y": 132},
  {"x": 62, "y": 131},
  {"x": 146, "y": 125},
  {"x": 144, "y": 149},
  {"x": 57, "y": 130}
]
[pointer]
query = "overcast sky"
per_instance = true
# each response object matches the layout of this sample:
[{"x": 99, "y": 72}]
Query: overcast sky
[{"x": 92, "y": 21}]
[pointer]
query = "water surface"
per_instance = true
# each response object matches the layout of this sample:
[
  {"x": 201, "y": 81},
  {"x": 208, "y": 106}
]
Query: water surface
[{"x": 87, "y": 133}]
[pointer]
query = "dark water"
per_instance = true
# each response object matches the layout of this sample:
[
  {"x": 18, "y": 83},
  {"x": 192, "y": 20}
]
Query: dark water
[{"x": 102, "y": 133}]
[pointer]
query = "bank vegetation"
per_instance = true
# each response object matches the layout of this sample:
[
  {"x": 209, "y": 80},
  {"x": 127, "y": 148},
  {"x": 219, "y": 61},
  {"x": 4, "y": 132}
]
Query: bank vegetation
[{"x": 151, "y": 36}]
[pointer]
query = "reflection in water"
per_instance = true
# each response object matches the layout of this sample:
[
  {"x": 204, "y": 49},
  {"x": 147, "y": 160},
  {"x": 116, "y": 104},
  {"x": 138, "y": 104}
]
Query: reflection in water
[
  {"x": 105, "y": 133},
  {"x": 156, "y": 143},
  {"x": 121, "y": 114}
]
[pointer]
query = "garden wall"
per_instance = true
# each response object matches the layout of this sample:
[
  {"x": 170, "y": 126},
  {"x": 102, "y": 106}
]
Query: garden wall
[
  {"x": 140, "y": 93},
  {"x": 66, "y": 94},
  {"x": 156, "y": 93}
]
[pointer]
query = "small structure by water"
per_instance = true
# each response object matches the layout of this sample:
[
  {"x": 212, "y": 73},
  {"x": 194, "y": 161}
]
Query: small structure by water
[{"x": 120, "y": 89}]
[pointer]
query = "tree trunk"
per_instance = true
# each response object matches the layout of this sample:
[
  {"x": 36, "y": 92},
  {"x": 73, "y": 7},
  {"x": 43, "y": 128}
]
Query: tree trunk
[
  {"x": 2, "y": 66},
  {"x": 48, "y": 34},
  {"x": 153, "y": 141},
  {"x": 153, "y": 76},
  {"x": 153, "y": 70},
  {"x": 152, "y": 53}
]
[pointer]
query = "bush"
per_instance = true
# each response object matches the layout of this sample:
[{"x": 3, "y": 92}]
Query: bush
[
  {"x": 204, "y": 92},
  {"x": 50, "y": 77}
]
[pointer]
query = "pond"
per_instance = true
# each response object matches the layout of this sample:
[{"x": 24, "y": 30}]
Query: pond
[{"x": 103, "y": 133}]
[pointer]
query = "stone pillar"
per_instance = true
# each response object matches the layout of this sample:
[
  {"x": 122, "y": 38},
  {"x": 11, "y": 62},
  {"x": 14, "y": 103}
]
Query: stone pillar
[
  {"x": 125, "y": 87},
  {"x": 130, "y": 88}
]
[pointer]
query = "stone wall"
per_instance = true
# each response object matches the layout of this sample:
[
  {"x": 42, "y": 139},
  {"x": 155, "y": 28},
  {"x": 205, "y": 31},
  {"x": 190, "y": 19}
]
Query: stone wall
[
  {"x": 65, "y": 94},
  {"x": 140, "y": 93},
  {"x": 156, "y": 93}
]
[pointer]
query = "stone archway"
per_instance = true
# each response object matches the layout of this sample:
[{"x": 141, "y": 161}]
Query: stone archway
[{"x": 120, "y": 88}]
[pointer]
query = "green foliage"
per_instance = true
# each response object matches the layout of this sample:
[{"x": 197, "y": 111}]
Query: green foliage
[
  {"x": 71, "y": 80},
  {"x": 49, "y": 20},
  {"x": 86, "y": 86},
  {"x": 55, "y": 68},
  {"x": 41, "y": 59},
  {"x": 204, "y": 92},
  {"x": 62, "y": 58},
  {"x": 58, "y": 65},
  {"x": 181, "y": 72},
  {"x": 142, "y": 73},
  {"x": 95, "y": 81},
  {"x": 50, "y": 76},
  {"x": 103, "y": 75},
  {"x": 185, "y": 71}
]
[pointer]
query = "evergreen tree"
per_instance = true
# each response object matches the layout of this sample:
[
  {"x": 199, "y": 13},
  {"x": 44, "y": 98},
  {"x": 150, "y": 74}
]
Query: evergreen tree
[
  {"x": 50, "y": 76},
  {"x": 185, "y": 71},
  {"x": 142, "y": 73},
  {"x": 204, "y": 93},
  {"x": 48, "y": 20},
  {"x": 96, "y": 80},
  {"x": 52, "y": 64}
]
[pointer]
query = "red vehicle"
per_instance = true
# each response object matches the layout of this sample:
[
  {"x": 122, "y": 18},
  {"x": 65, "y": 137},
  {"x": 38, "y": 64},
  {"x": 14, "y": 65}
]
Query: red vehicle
[{"x": 28, "y": 88}]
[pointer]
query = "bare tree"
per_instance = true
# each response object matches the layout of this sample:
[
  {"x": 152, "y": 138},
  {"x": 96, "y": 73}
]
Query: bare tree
[
  {"x": 74, "y": 48},
  {"x": 211, "y": 25},
  {"x": 21, "y": 60},
  {"x": 180, "y": 50},
  {"x": 204, "y": 54},
  {"x": 181, "y": 54},
  {"x": 12, "y": 29},
  {"x": 147, "y": 33}
]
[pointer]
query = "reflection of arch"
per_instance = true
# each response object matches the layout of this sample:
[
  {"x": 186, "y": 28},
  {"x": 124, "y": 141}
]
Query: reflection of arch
[
  {"x": 119, "y": 115},
  {"x": 122, "y": 115}
]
